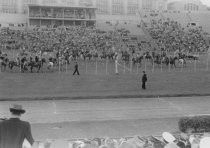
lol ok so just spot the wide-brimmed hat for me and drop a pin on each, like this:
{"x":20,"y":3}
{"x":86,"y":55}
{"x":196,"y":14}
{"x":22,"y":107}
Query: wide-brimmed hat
{"x":17,"y":108}
{"x":168,"y":137}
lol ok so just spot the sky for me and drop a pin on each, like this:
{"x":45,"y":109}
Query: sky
{"x":206,"y":2}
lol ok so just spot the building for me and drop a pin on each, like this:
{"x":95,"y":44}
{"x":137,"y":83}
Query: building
{"x":186,"y":5}
{"x":56,"y":16}
{"x":15,"y":12}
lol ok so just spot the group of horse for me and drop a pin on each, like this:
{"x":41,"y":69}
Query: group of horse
{"x":164,"y":59}
{"x":22,"y":63}
{"x":25,"y":62}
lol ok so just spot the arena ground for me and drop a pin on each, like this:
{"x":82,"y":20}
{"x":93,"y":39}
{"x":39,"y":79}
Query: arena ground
{"x":104,"y":104}
{"x":71,"y":119}
{"x":64,"y":85}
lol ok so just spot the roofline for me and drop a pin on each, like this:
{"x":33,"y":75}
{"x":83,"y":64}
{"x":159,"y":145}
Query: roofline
{"x":52,"y":6}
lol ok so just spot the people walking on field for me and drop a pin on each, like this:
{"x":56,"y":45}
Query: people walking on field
{"x":13,"y":131}
{"x":76,"y":69}
{"x":144,"y":80}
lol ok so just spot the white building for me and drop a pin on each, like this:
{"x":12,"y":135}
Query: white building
{"x":15,"y":12}
{"x":187,"y":5}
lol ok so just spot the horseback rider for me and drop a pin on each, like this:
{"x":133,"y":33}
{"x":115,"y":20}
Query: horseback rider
{"x":36,"y":59}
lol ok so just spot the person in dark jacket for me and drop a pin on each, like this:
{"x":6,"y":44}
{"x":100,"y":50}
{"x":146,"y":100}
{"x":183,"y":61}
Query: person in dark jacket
{"x":76,"y":69}
{"x":14,"y":131}
{"x":144,"y":80}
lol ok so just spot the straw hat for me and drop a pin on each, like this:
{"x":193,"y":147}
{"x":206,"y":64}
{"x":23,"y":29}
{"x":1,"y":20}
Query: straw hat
{"x":17,"y":108}
{"x":168,"y":137}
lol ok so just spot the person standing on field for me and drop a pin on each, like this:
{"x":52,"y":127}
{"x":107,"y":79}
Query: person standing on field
{"x":76,"y":69}
{"x":144,"y":80}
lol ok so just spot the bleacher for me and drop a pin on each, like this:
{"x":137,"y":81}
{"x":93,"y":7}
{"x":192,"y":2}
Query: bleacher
{"x":202,"y":18}
{"x":107,"y":23}
{"x":181,"y":17}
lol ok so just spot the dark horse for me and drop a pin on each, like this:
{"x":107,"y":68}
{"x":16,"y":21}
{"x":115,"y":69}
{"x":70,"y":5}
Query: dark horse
{"x":3,"y":62}
{"x":171,"y":61}
{"x":14,"y":64}
{"x":137,"y":60}
{"x":38,"y":65}
{"x":165,"y":60}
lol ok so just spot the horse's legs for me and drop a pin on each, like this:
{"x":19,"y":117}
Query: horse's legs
{"x":174,"y":64}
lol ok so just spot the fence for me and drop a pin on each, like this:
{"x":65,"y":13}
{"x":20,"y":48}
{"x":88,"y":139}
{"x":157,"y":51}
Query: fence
{"x":109,"y":67}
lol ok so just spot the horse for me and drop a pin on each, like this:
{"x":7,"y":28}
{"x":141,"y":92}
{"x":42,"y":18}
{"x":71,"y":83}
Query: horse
{"x":38,"y":65}
{"x":111,"y":55}
{"x":125,"y":56}
{"x":103,"y":56}
{"x":95,"y":55}
{"x":3,"y":62}
{"x":88,"y":55}
{"x":147,"y":56}
{"x":23,"y":64}
{"x":182,"y":61}
{"x":50,"y":65}
{"x":172,"y":61}
{"x":53,"y":60}
{"x":13,"y":64}
{"x":137,"y":60}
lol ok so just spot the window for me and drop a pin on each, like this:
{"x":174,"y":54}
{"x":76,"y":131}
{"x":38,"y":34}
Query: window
{"x":117,"y":9}
{"x":191,"y":7}
{"x":102,"y":6}
{"x":132,"y":9}
{"x":85,"y":2}
{"x":9,"y":6}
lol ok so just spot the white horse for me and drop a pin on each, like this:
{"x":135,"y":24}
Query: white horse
{"x":50,"y":66}
{"x":182,"y":62}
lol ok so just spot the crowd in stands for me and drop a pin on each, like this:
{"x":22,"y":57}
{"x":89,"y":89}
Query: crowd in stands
{"x":171,"y":36}
{"x":72,"y":38}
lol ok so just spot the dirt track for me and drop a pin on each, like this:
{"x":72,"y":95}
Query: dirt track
{"x":107,"y":117}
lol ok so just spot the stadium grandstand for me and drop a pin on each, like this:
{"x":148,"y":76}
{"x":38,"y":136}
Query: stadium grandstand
{"x":54,"y":16}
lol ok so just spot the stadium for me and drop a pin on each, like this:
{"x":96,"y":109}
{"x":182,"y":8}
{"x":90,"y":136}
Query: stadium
{"x":109,"y":44}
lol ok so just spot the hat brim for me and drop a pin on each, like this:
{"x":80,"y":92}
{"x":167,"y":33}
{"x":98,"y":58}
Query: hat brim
{"x":21,"y":111}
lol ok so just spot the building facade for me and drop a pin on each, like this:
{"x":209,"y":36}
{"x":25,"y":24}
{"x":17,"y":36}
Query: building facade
{"x":128,"y":7}
{"x":16,"y":11}
{"x":186,"y":5}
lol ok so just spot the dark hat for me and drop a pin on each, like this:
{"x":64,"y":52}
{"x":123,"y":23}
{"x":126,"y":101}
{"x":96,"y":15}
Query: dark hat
{"x":17,"y":108}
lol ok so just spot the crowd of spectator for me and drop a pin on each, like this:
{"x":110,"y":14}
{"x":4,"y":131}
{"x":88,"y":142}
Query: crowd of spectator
{"x":72,"y":39}
{"x":168,"y":35}
{"x":171,"y":36}
{"x":167,"y":140}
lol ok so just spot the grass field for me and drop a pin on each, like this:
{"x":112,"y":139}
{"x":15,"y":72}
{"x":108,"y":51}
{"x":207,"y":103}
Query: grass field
{"x":99,"y":80}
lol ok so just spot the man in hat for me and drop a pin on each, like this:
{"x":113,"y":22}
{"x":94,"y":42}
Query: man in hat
{"x":144,"y":80}
{"x":14,"y":131}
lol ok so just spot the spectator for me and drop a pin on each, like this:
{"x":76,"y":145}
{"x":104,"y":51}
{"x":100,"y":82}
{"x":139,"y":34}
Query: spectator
{"x":13,"y":131}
